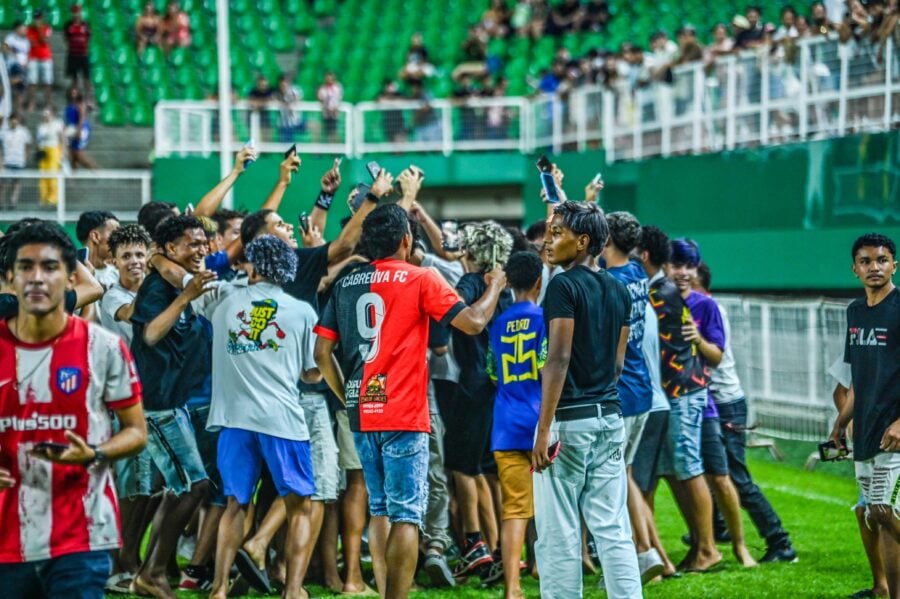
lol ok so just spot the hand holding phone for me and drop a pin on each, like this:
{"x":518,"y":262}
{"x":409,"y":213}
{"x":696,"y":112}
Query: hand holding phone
{"x":304,"y":222}
{"x":292,"y":151}
{"x":552,"y":451}
{"x":374,"y":169}
{"x":450,"y":235}
{"x":83,"y":254}
{"x":50,"y":447}
{"x":829,"y":451}
{"x":362,"y":190}
{"x":548,"y":182}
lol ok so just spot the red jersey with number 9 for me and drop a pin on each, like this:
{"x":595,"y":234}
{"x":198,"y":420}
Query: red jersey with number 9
{"x":379,"y":313}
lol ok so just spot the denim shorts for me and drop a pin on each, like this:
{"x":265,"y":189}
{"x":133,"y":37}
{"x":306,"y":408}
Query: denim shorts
{"x":242,"y":453}
{"x":715,"y":461}
{"x":683,"y":456}
{"x":173,"y":448}
{"x":323,"y":446}
{"x":135,"y":475}
{"x":74,"y":575}
{"x":395,"y":466}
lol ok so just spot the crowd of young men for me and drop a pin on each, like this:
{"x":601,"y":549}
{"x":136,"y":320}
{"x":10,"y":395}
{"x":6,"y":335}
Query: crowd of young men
{"x":418,"y":399}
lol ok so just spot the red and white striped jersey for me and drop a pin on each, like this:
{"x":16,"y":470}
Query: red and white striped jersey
{"x":69,"y":383}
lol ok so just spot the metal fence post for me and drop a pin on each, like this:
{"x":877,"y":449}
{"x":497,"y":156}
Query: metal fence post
{"x":145,"y":189}
{"x":731,"y":105}
{"x":608,"y":126}
{"x":764,"y":100}
{"x":843,"y":51}
{"x":557,"y":124}
{"x":699,"y":87}
{"x":803,"y":114}
{"x":61,"y":197}
{"x":888,"y":81}
{"x":446,"y":130}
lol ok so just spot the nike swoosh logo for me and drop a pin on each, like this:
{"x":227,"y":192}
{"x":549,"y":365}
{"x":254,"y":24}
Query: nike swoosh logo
{"x":4,"y":383}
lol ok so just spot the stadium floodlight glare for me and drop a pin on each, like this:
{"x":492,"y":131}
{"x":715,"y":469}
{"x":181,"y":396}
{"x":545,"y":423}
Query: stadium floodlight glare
{"x":223,"y":39}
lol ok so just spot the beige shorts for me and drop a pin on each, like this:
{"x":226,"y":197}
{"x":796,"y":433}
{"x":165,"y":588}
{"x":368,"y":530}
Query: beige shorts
{"x":348,"y":459}
{"x":634,"y":428}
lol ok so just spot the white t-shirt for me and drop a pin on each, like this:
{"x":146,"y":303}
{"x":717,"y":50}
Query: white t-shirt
{"x":49,"y":134}
{"x":20,"y":46}
{"x":840,"y":372}
{"x":15,"y":146}
{"x":107,"y":276}
{"x":114,"y":298}
{"x":724,"y":382}
{"x":650,"y":349}
{"x":262,"y":341}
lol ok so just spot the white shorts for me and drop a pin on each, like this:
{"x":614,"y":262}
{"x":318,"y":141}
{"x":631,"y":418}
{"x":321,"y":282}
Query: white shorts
{"x":879,"y":480}
{"x":40,"y":71}
{"x":634,"y":430}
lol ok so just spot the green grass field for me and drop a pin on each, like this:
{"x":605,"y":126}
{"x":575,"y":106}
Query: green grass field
{"x":815,"y":509}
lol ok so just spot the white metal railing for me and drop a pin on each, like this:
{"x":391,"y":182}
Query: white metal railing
{"x":783,"y":349}
{"x":61,"y":196}
{"x":817,"y":87}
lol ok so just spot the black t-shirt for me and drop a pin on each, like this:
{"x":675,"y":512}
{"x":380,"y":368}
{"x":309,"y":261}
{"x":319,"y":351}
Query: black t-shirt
{"x":173,"y":370}
{"x":682,"y":368}
{"x":9,"y":304}
{"x":312,"y":265}
{"x":470,"y":351}
{"x":872,"y":348}
{"x":600,"y":306}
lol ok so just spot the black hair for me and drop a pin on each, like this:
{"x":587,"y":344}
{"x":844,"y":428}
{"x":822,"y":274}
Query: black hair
{"x":520,"y":242}
{"x":624,"y":230}
{"x":585,"y":219}
{"x":128,"y":235}
{"x":523,"y":269}
{"x":254,"y":224}
{"x":874,"y":240}
{"x":172,"y":228}
{"x":150,"y":215}
{"x":656,"y":244}
{"x":536,"y":231}
{"x":684,"y":251}
{"x":224,"y":215}
{"x":90,"y":220}
{"x":704,"y":275}
{"x":788,"y":8}
{"x":6,"y":259}
{"x":43,"y":233}
{"x":383,"y":231}
{"x":755,"y":7}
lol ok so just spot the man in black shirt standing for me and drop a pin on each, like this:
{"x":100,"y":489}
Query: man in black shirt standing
{"x":587,"y":312}
{"x":171,"y":352}
{"x":872,"y":349}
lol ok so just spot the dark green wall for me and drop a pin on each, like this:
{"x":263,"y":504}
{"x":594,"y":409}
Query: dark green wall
{"x":771,"y":218}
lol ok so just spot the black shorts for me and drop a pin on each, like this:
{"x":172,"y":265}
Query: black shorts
{"x":653,"y":443}
{"x":467,"y":423}
{"x":712,"y":447}
{"x":77,"y":65}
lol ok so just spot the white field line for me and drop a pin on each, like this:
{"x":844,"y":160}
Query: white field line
{"x":849,"y":503}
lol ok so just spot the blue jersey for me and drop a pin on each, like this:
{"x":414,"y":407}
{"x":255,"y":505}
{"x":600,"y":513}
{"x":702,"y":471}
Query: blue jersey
{"x":634,"y":387}
{"x":516,"y":355}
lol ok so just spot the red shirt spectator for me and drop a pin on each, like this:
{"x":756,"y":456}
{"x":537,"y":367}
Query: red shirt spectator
{"x":39,"y":34}
{"x":78,"y":34}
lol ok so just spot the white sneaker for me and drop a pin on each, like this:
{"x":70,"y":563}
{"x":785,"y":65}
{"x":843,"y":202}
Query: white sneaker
{"x":650,"y":564}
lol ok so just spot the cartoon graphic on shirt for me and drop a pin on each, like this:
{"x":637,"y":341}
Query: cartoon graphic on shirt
{"x":253,"y":329}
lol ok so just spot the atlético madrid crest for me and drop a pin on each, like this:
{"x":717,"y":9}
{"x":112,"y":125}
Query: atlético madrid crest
{"x":68,"y":380}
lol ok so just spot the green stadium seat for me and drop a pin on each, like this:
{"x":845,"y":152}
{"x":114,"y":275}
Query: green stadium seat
{"x":112,"y":114}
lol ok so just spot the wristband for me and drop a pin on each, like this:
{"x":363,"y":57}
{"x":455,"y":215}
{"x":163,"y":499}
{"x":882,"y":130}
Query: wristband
{"x":324,"y":200}
{"x":372,"y":197}
{"x":99,"y":456}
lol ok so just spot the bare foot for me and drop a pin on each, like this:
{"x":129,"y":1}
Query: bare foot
{"x":152,"y":587}
{"x":703,"y":561}
{"x":335,"y":584}
{"x":256,"y":552}
{"x":514,"y":594}
{"x":743,"y":556}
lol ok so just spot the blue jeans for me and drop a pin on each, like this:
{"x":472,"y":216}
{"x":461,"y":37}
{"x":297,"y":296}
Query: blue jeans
{"x":73,"y":576}
{"x":588,"y":477}
{"x":683,"y":456}
{"x":733,"y":417}
{"x":395,"y":466}
{"x":172,"y":445}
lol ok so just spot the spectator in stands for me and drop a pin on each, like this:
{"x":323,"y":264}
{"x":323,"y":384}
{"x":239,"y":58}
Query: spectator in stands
{"x":330,"y":96}
{"x":565,"y":17}
{"x":819,"y":22}
{"x":78,"y":130}
{"x":495,"y":19}
{"x":93,"y":231}
{"x":788,"y":28}
{"x":470,"y":123}
{"x":147,"y":28}
{"x":722,"y":43}
{"x":417,"y":67}
{"x":40,"y":59}
{"x":259,"y":99}
{"x":751,"y":34}
{"x":50,"y":143}
{"x":596,"y":16}
{"x":392,"y":122}
{"x":16,"y":140}
{"x":497,"y":117}
{"x":474,"y":50}
{"x":16,"y":48}
{"x":290,"y":122}
{"x":78,"y":35}
{"x":520,"y":18}
{"x":426,"y":124}
{"x":176,"y":28}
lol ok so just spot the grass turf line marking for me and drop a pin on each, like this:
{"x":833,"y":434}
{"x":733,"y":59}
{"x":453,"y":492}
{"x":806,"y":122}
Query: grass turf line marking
{"x":807,"y":495}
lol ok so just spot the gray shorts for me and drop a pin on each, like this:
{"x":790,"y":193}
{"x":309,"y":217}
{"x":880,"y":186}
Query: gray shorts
{"x":348,"y":458}
{"x":322,"y":445}
{"x":634,"y":430}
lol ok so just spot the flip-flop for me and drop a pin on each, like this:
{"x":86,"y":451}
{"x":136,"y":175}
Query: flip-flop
{"x":257,"y":578}
{"x":119,"y":584}
{"x":716,"y":567}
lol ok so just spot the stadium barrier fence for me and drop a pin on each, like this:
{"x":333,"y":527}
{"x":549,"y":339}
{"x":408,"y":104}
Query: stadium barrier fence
{"x":816,"y":87}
